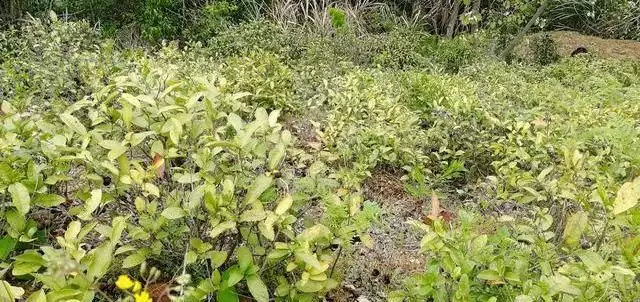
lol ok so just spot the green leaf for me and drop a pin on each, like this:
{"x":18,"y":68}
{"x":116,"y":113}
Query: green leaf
{"x":628,"y":197}
{"x":355,"y":203}
{"x":273,"y":118}
{"x":266,"y":227}
{"x":53,"y":179}
{"x":245,"y":258}
{"x":222,"y":227}
{"x":72,"y":231}
{"x":85,"y":230}
{"x":23,"y":268}
{"x":235,"y":121}
{"x":217,"y":258}
{"x":253,"y":215}
{"x":131,"y":100}
{"x":560,"y":283}
{"x":91,"y":204}
{"x":227,"y":295}
{"x":173,"y":213}
{"x":38,"y":296}
{"x":152,"y":189}
{"x":66,"y":294}
{"x":592,"y":261}
{"x":115,"y":148}
{"x":396,"y":296}
{"x":257,"y":288}
{"x":7,"y":245}
{"x":574,"y":228}
{"x":100,"y":262}
{"x":544,"y":173}
{"x":309,"y":286}
{"x":277,"y":254}
{"x":311,"y":259}
{"x":235,"y":276}
{"x":489,"y":275}
{"x":315,"y":233}
{"x":15,"y":220}
{"x":20,"y":198}
{"x":73,"y":123}
{"x":523,"y":298}
{"x":186,"y":178}
{"x":117,"y":227}
{"x":284,"y":205}
{"x":174,"y":128}
{"x":259,"y":185}
{"x":10,"y":293}
{"x":134,"y":259}
{"x":48,"y":200}
{"x":138,"y":138}
{"x":190,"y":257}
{"x":479,"y":243}
{"x":367,"y":240}
{"x":276,"y":155}
{"x":262,"y":117}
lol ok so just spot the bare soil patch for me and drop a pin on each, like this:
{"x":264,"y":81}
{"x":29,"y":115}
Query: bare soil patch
{"x":396,"y":251}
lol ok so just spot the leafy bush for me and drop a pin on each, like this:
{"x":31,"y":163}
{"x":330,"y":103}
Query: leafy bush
{"x":155,"y":168}
{"x":264,"y":76}
{"x":211,"y":19}
{"x":518,"y":262}
{"x":115,"y":161}
{"x":338,"y":18}
{"x":254,"y":36}
{"x":545,"y":50}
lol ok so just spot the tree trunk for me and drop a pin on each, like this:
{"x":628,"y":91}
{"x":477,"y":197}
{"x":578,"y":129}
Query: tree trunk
{"x":453,"y":19}
{"x":476,"y":12}
{"x":507,"y":51}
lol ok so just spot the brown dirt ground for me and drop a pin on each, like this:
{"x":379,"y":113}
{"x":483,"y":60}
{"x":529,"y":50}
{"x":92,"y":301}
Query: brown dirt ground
{"x":374,"y":271}
{"x":568,"y":41}
{"x":606,"y":48}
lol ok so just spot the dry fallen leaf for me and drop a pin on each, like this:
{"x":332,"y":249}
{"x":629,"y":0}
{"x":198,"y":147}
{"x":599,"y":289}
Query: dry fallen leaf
{"x":314,"y":145}
{"x":159,"y":292}
{"x":158,"y":165}
{"x":539,"y":123}
{"x":437,"y":211}
{"x":435,"y":207}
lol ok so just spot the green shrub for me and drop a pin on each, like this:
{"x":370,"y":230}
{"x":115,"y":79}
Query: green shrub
{"x":520,"y":262}
{"x":159,"y":21}
{"x":254,"y":36}
{"x":171,"y":168}
{"x":545,"y":50}
{"x":264,"y":76}
{"x":455,"y":53}
{"x":210,"y":20}
{"x":177,"y":158}
{"x":338,"y":18}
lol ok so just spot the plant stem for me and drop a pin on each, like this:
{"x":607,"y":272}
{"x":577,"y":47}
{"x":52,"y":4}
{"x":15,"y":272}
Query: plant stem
{"x":604,"y":231}
{"x":335,"y":261}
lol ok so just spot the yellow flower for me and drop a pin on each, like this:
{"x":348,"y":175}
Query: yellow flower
{"x":124,"y":282}
{"x":143,"y":297}
{"x":137,"y":286}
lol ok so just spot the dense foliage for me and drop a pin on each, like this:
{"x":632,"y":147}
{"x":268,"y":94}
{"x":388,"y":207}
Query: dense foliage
{"x":132,"y":22}
{"x":138,"y":174}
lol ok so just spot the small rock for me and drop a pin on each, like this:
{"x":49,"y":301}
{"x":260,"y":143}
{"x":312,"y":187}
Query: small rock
{"x":352,"y":289}
{"x":362,"y":299}
{"x":381,"y":294}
